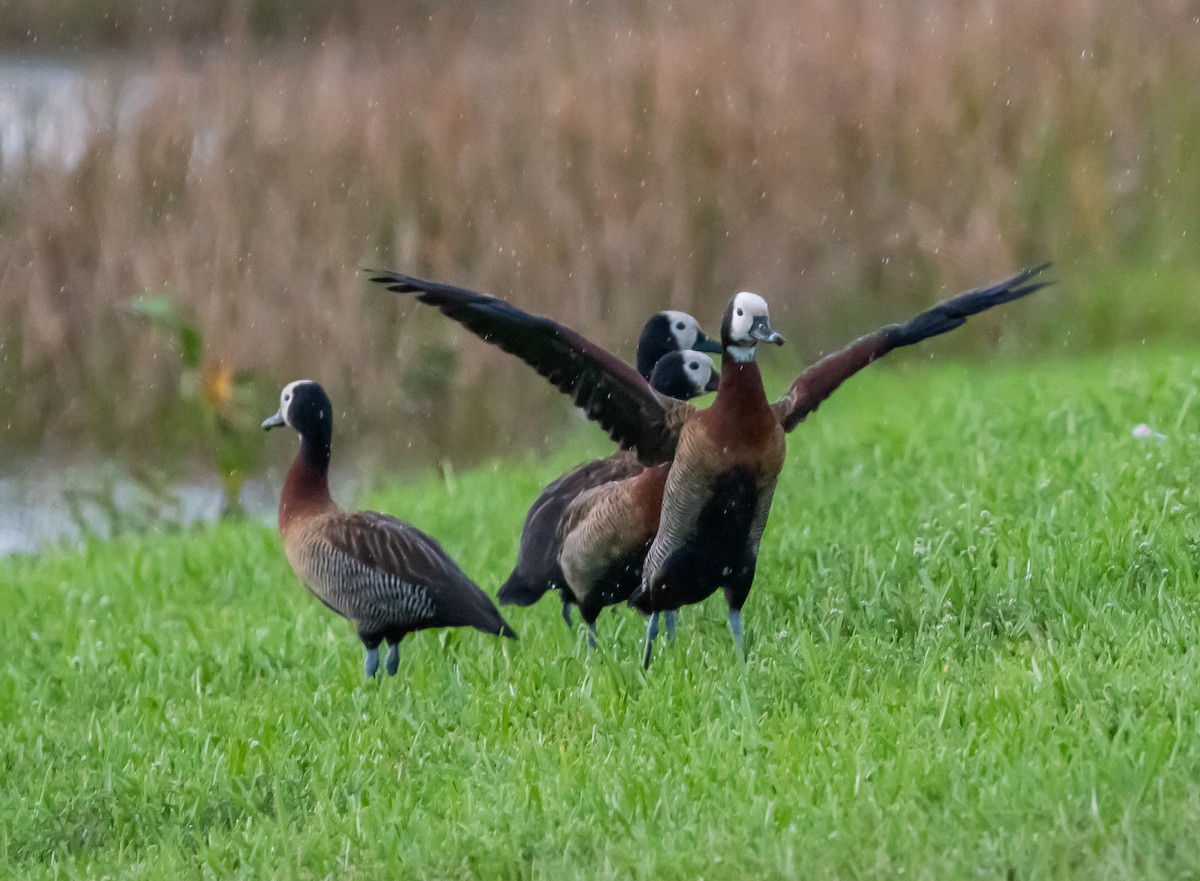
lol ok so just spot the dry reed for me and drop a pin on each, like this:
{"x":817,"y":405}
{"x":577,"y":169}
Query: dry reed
{"x":850,"y":160}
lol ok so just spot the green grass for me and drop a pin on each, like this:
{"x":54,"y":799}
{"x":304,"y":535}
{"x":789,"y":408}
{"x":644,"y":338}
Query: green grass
{"x":973,"y":653}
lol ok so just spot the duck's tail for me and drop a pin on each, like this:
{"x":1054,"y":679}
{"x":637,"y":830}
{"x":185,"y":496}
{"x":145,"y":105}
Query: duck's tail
{"x":520,"y":590}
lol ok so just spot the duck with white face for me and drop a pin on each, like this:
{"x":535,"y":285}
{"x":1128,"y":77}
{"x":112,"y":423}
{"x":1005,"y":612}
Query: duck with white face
{"x":670,"y":331}
{"x":594,"y":536}
{"x":724,"y":461}
{"x":385,"y":575}
{"x":720,"y":485}
{"x":685,"y":375}
{"x":682,"y":375}
{"x":747,"y":323}
{"x":604,"y":531}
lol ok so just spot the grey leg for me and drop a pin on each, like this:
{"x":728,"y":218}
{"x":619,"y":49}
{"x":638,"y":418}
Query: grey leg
{"x":735,"y":627}
{"x":592,"y":635}
{"x":669,"y":620}
{"x":393,"y":658}
{"x":651,"y":634}
{"x":371,"y":663}
{"x":567,"y":614}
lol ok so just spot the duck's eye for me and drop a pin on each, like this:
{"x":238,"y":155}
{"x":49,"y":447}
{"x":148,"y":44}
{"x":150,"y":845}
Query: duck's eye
{"x":740,"y":313}
{"x":681,"y":326}
{"x":695,"y":365}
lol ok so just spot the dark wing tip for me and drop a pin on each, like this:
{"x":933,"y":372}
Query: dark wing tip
{"x":1005,"y":291}
{"x":954,"y":312}
{"x":395,"y":281}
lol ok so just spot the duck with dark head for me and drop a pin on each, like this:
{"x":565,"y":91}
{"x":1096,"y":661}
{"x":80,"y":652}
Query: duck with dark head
{"x":386,"y":576}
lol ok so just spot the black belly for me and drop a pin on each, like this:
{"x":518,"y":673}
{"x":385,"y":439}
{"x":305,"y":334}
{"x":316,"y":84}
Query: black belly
{"x":718,"y":552}
{"x":616,"y":585}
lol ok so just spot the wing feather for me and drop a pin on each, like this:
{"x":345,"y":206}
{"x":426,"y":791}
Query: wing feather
{"x":409,"y":566}
{"x":608,"y":390}
{"x":820,"y":380}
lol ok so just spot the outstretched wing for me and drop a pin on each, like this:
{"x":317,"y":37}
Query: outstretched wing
{"x":820,"y":380}
{"x":607,"y":389}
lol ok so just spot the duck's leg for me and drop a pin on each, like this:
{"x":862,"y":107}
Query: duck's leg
{"x":669,"y":620}
{"x":735,"y":595}
{"x":393,"y":657}
{"x":370,"y":640}
{"x":651,"y":635}
{"x":371,"y":662}
{"x":589,"y":611}
{"x":566,"y":613}
{"x":735,"y":627}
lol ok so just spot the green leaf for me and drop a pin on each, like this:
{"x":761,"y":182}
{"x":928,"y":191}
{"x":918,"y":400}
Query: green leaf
{"x":191,"y":345}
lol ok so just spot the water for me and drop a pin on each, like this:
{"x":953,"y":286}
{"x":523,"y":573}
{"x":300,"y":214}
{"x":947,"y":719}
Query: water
{"x":41,"y":506}
{"x":44,"y":117}
{"x":41,"y":112}
{"x":44,"y":108}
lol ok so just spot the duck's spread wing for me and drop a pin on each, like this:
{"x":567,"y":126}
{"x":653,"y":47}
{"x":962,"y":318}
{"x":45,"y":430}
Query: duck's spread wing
{"x":820,"y":380}
{"x":607,"y":389}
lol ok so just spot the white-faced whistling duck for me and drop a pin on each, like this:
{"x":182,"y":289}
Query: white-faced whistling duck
{"x":670,"y":331}
{"x":659,"y":361}
{"x":386,"y":576}
{"x":722,"y":477}
{"x":604,"y":531}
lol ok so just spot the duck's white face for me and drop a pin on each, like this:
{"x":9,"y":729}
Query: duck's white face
{"x":699,"y":370}
{"x":684,"y":328}
{"x":746,"y":307}
{"x":745,"y":325}
{"x":283,"y":416}
{"x":287,"y":396}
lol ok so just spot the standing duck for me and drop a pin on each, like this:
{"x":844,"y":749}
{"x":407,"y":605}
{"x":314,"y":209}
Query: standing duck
{"x":603,"y":531}
{"x":682,"y":375}
{"x":722,"y":478}
{"x":603,"y":539}
{"x":386,"y":576}
{"x":719,"y":487}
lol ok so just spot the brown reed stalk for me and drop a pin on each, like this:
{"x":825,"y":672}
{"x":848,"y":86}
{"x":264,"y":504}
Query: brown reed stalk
{"x":850,"y":160}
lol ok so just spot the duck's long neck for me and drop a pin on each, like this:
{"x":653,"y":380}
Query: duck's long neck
{"x":306,"y":487}
{"x":741,"y":386}
{"x":648,"y":354}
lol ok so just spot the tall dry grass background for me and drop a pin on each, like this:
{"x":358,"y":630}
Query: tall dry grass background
{"x":851,"y":160}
